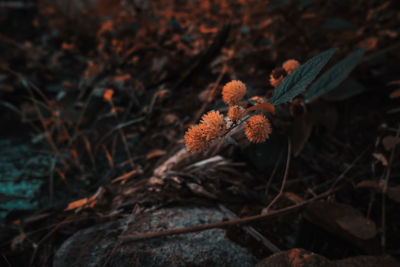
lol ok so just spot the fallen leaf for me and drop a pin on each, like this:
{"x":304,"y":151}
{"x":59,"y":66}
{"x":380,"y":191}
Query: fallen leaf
{"x":380,"y":157}
{"x":395,"y":93}
{"x":107,"y":96}
{"x":77,"y":204}
{"x":341,"y":219}
{"x":17,"y":241}
{"x":126,"y":176}
{"x":389,"y":142}
{"x":369,"y":184}
{"x":161,"y":94}
{"x":394,"y":193}
{"x":294,"y":198}
{"x":370,"y":43}
{"x":394,"y":82}
{"x":358,"y":226}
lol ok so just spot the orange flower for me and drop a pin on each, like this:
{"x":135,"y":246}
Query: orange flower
{"x":195,"y":140}
{"x":108,"y":94}
{"x":257,"y":129}
{"x":277,"y":76}
{"x":290,"y":65}
{"x":233,"y":92}
{"x":212,"y":124}
{"x":235,"y":113}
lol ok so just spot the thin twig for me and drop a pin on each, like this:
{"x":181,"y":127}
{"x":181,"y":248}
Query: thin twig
{"x":384,"y":191}
{"x":284,"y":177}
{"x":271,"y":177}
{"x":238,"y":221}
{"x":341,"y":176}
{"x":6,"y":260}
{"x":122,"y":134}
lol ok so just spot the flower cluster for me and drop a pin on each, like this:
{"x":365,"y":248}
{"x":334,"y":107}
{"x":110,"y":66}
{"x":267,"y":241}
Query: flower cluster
{"x":279,"y":74}
{"x":214,"y":125}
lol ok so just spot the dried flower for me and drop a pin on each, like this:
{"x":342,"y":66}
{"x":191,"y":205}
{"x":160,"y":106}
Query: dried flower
{"x":257,"y":129}
{"x":290,"y":65}
{"x":233,"y":92}
{"x":235,"y":113}
{"x":212,"y":124}
{"x":277,"y":76}
{"x":195,"y":139}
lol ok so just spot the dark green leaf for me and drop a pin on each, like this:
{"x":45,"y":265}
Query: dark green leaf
{"x":347,"y":89}
{"x":335,"y":75}
{"x":297,"y":82}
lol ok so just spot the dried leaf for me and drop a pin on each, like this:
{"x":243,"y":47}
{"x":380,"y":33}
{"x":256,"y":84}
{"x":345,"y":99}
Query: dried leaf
{"x":161,"y":94}
{"x":294,"y":198}
{"x":369,"y":184}
{"x":395,"y":93}
{"x":18,"y":240}
{"x":389,"y":142}
{"x":358,"y":226}
{"x":370,"y":43}
{"x":126,"y":176}
{"x":341,"y":219}
{"x":381,"y":158}
{"x":267,"y":107}
{"x":107,"y":96}
{"x":77,"y":204}
{"x":394,"y":193}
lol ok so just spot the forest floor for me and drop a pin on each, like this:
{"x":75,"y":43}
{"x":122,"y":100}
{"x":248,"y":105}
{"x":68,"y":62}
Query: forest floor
{"x":96,"y":98}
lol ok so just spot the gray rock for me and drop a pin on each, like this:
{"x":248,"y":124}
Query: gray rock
{"x":21,"y":174}
{"x":99,"y":245}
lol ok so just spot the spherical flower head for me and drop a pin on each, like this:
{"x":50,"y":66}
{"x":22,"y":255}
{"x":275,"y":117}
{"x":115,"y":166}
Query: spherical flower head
{"x":257,"y":129}
{"x":235,"y":113}
{"x":290,"y":65}
{"x":195,"y":140}
{"x":233,"y":92}
{"x":277,"y":76}
{"x":212,"y":125}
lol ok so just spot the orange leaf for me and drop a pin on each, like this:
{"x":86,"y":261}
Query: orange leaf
{"x":77,"y":204}
{"x":389,"y":142}
{"x":122,"y":78}
{"x":126,"y":176}
{"x":108,"y":155}
{"x":67,"y":46}
{"x":380,"y":157}
{"x":263,"y":107}
{"x":162,"y":93}
{"x":395,"y":93}
{"x":108,"y":94}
